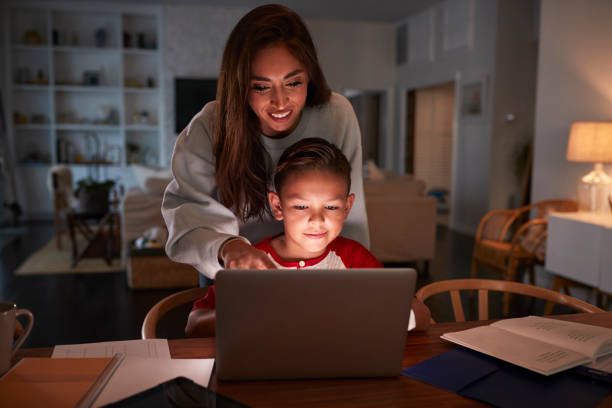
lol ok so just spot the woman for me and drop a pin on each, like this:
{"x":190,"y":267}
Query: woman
{"x":271,"y":93}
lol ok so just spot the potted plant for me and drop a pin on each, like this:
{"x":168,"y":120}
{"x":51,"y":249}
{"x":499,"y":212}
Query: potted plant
{"x":92,"y":195}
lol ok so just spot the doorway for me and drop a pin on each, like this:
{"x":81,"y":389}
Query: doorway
{"x":369,"y":107}
{"x":429,"y":141}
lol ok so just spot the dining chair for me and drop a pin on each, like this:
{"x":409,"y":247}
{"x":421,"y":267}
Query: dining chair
{"x":149,"y":325}
{"x":506,"y":239}
{"x":483,"y":286}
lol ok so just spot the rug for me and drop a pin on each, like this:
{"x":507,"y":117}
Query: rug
{"x":9,"y":234}
{"x":50,"y":260}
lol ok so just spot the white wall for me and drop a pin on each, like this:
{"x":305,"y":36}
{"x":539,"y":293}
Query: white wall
{"x":470,"y":186}
{"x":194,"y":37}
{"x":359,"y":55}
{"x":574,"y":84}
{"x":516,"y":57}
{"x":353,"y":55}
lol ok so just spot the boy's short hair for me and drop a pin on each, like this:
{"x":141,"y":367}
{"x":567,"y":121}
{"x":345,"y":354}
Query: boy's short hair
{"x":312,"y":153}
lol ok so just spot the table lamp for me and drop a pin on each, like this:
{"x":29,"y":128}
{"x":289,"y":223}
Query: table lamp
{"x":592,"y":142}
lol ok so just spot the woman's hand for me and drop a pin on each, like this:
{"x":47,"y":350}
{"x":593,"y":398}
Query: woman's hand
{"x":237,"y":254}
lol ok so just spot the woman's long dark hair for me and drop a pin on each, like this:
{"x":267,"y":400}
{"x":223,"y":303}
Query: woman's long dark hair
{"x":242,"y":163}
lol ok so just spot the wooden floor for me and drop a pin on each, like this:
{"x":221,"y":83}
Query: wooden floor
{"x":78,"y":308}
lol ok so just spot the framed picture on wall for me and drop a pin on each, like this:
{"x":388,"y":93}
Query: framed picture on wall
{"x":472,"y":99}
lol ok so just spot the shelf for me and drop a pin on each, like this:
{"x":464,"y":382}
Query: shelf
{"x":141,"y":128}
{"x":24,"y":47}
{"x":88,"y":127}
{"x":140,"y":90}
{"x":30,"y":88}
{"x":140,"y":51}
{"x":34,"y":164}
{"x":90,"y":164}
{"x":85,"y":50}
{"x":87,"y":88}
{"x":32,"y":126}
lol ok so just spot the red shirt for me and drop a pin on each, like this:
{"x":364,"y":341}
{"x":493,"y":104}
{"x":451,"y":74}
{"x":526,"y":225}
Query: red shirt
{"x":341,"y":253}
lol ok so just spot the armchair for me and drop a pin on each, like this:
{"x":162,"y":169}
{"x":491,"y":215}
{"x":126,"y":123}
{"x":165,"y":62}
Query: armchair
{"x":507,"y":238}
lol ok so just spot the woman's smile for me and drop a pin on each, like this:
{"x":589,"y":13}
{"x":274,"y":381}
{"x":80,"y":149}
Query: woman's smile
{"x":282,"y":115}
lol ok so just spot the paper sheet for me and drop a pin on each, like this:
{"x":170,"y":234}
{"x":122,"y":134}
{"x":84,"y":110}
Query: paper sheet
{"x":147,"y":363}
{"x":150,"y":348}
{"x":136,"y":374}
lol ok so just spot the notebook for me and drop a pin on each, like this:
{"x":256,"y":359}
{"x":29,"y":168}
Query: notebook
{"x":283,"y":324}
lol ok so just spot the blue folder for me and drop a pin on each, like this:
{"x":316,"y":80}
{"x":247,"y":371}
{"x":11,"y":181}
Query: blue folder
{"x":488,"y":379}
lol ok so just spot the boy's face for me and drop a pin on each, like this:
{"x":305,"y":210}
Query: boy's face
{"x":313,"y":206}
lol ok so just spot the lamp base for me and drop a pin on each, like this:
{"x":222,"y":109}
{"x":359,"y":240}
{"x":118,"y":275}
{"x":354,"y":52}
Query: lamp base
{"x":594,"y":191}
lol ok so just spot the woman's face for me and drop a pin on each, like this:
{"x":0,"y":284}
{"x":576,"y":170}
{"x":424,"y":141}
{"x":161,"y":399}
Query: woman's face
{"x":277,"y":91}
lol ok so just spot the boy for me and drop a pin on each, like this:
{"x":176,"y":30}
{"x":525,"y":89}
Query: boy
{"x":312,"y":182}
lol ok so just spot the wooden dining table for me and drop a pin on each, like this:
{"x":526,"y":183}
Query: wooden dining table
{"x":397,"y":391}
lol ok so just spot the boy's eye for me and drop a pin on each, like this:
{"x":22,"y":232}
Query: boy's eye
{"x":294,"y":84}
{"x":332,"y":207}
{"x":300,"y":207}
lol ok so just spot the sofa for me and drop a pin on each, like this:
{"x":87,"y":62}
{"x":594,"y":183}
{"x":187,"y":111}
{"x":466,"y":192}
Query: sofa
{"x":147,"y":265}
{"x":401,"y":218}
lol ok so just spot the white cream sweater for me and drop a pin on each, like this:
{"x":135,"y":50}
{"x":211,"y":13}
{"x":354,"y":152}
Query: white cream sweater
{"x":198,"y":224}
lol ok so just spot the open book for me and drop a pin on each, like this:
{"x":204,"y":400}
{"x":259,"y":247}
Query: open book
{"x":546,"y":346}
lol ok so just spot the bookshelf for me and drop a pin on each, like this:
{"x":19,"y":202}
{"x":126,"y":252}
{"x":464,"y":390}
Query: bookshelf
{"x":84,"y":89}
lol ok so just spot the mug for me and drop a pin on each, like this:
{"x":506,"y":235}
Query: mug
{"x":8,"y":315}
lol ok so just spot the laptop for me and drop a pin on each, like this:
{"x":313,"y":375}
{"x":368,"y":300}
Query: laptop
{"x":312,"y":323}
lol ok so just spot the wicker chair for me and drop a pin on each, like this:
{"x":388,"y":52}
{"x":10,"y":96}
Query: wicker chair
{"x":507,"y":238}
{"x":168,"y":303}
{"x":483,"y":286}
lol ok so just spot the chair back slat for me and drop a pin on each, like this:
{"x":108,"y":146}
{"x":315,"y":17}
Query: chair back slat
{"x":483,"y":286}
{"x":506,"y":230}
{"x":483,"y":304}
{"x":457,"y":307}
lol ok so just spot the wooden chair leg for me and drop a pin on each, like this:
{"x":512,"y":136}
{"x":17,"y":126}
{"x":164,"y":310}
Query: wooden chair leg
{"x":474,"y":270}
{"x":510,"y":276}
{"x":473,"y":275}
{"x":58,"y":231}
{"x":603,"y":300}
{"x":557,"y":285}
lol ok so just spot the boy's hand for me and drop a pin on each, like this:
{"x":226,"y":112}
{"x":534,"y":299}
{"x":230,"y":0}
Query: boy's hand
{"x":237,"y":254}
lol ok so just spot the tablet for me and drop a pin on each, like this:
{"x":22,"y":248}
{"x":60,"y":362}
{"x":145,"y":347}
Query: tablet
{"x":179,"y":392}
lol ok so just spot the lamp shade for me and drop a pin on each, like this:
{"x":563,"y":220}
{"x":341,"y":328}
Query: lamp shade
{"x":590,"y":142}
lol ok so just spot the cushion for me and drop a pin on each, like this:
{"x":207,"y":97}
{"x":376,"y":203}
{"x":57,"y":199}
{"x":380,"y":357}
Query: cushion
{"x":152,"y":179}
{"x":404,"y":185}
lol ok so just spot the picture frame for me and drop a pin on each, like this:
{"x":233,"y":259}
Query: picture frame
{"x":472,"y":102}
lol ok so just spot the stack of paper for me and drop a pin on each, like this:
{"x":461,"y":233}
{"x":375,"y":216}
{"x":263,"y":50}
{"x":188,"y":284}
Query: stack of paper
{"x":147,"y":363}
{"x":78,"y":373}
